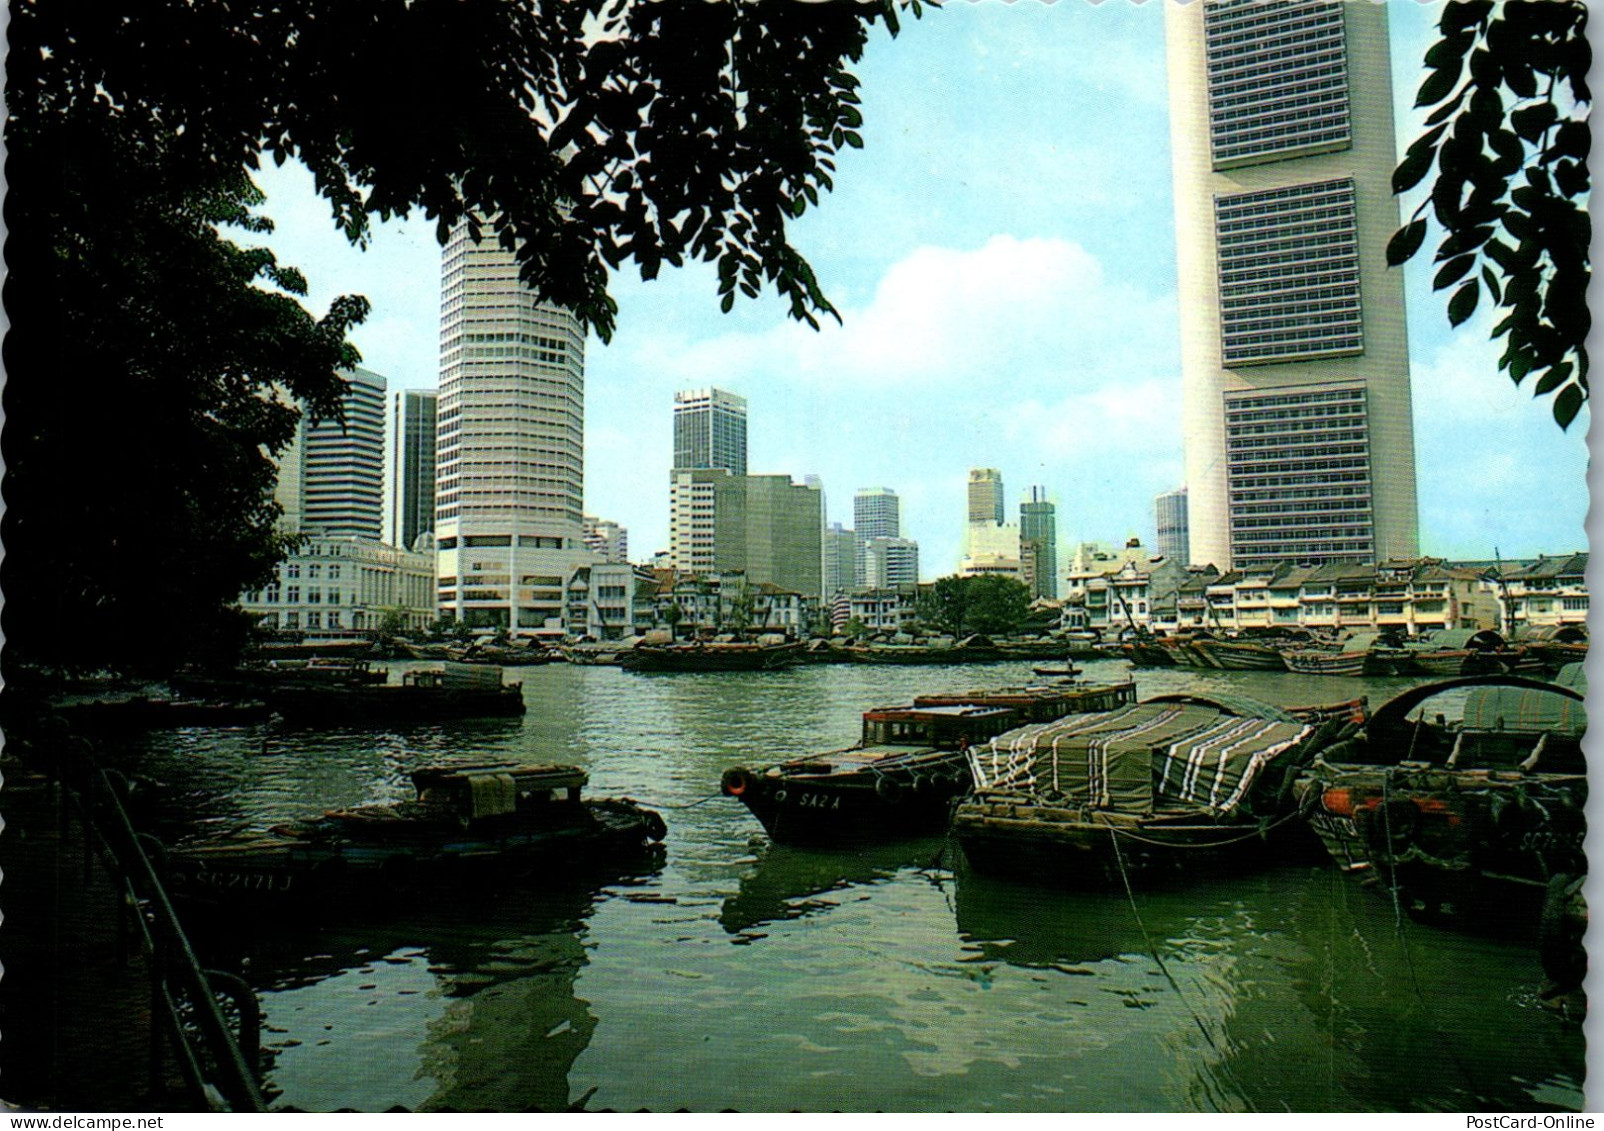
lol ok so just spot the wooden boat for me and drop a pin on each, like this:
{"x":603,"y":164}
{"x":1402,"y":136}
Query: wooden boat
{"x":710,"y":657}
{"x":1056,"y":671}
{"x":490,"y":824}
{"x":1030,"y":649}
{"x":1241,"y":655}
{"x":1471,"y":818}
{"x":1313,"y":661}
{"x":454,"y":691}
{"x":594,"y":655}
{"x":909,"y":765}
{"x":142,"y":713}
{"x":970,"y":650}
{"x":1150,"y":791}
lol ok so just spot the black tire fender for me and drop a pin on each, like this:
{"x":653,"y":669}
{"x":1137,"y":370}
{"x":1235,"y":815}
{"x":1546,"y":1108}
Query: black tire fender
{"x":888,"y":790}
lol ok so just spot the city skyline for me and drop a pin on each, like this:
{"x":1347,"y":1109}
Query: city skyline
{"x":952,"y":354}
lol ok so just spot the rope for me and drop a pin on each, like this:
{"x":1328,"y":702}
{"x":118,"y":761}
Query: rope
{"x":1249,"y":835}
{"x":687,"y":805}
{"x":1130,"y":895}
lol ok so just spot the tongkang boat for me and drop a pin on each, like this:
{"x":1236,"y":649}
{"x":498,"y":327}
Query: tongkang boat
{"x":1476,"y":817}
{"x":902,"y":777}
{"x":1161,"y":788}
{"x":469,"y":826}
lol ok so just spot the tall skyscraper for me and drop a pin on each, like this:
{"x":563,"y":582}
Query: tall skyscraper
{"x":409,"y":466}
{"x":710,"y":430}
{"x":986,"y":495}
{"x":1038,"y":543}
{"x":839,"y":554}
{"x":875,"y":514}
{"x":331,"y":477}
{"x":1170,"y":511}
{"x":1295,"y":364}
{"x":511,"y":435}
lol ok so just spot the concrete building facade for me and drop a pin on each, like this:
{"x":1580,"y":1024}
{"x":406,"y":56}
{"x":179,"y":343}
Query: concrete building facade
{"x":1295,"y":363}
{"x":341,"y":585}
{"x":409,"y":466}
{"x":710,"y":430}
{"x":511,"y":446}
{"x":1038,"y":544}
{"x":839,"y":554}
{"x":331,"y":476}
{"x":1169,"y":510}
{"x":876,"y":513}
{"x":890,"y":562}
{"x":986,"y":495}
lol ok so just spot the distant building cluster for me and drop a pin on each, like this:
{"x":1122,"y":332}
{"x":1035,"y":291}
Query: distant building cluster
{"x":466,"y":504}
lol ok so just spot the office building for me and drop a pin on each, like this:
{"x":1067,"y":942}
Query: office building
{"x":986,"y":495}
{"x":510,"y":435}
{"x":875,"y":514}
{"x":994,"y":547}
{"x":606,"y":539}
{"x":839,"y":554}
{"x":331,"y":476}
{"x":890,"y":562}
{"x":1038,"y":543}
{"x":409,"y":466}
{"x":1295,"y":364}
{"x":710,"y":430}
{"x":764,"y":526}
{"x":1170,"y":511}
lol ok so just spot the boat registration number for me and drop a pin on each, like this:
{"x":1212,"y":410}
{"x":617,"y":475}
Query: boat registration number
{"x":241,"y":881}
{"x":807,"y":800}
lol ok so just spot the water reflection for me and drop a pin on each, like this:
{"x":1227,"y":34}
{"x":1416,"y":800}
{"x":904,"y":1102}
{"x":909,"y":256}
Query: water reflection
{"x":443,"y":1006}
{"x":785,"y":882}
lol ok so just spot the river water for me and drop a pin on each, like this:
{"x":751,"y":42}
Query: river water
{"x":742,"y":975}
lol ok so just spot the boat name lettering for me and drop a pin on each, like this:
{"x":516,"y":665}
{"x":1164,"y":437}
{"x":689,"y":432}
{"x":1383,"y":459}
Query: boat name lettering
{"x":817,"y":801}
{"x":244,"y":881}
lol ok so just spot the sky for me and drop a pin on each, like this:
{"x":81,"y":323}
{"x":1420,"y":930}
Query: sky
{"x":1002,"y":253}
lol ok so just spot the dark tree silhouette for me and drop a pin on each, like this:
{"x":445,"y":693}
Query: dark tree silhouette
{"x":1509,"y":141}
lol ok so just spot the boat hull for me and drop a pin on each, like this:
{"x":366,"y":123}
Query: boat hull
{"x":393,"y":704}
{"x":714,"y":658}
{"x":847,"y":808}
{"x":1080,"y":848}
{"x":1325,"y":663}
{"x":1241,"y":657}
{"x":330,"y":872}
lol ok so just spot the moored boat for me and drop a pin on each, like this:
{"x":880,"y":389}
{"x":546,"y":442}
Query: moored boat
{"x":1470,"y":818}
{"x":710,"y":657}
{"x":453,"y":691}
{"x":906,"y":770}
{"x":1241,"y":655}
{"x":491,"y":824}
{"x":1150,"y":791}
{"x":969,"y":650}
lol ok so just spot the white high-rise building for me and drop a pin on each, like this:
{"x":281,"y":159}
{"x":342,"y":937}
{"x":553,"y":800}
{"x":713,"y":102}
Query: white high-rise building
{"x":710,"y":430}
{"x":1170,"y":511}
{"x":606,"y":539}
{"x":331,"y":476}
{"x":1295,"y":364}
{"x":409,"y":466}
{"x":876,"y":513}
{"x":511,"y":440}
{"x":890,"y":562}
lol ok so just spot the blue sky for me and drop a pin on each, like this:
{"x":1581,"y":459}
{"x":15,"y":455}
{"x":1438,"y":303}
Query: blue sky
{"x":1002,"y":253}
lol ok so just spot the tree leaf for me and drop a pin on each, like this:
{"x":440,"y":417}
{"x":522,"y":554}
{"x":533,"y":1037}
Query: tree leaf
{"x":1491,"y":281}
{"x":1452,"y":271}
{"x":1405,"y":242}
{"x":1566,"y":405}
{"x":1463,"y":303}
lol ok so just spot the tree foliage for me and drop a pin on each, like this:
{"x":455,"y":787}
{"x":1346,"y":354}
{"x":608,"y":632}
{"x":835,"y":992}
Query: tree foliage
{"x":987,"y":603}
{"x":589,"y":133}
{"x":1509,"y":140}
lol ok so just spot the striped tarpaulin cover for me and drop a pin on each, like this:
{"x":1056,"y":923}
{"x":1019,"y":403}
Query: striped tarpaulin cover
{"x":1215,"y":769}
{"x":1104,"y":760}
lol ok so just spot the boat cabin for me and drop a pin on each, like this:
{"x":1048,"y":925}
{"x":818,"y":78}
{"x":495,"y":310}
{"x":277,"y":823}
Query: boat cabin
{"x":953,"y":727}
{"x":497,"y":789}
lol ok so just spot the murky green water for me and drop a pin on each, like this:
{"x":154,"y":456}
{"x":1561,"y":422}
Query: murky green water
{"x":746,"y":975}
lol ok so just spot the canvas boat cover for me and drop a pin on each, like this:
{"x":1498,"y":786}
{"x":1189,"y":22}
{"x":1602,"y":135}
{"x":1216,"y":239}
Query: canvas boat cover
{"x":1185,"y":752}
{"x":1524,"y":710}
